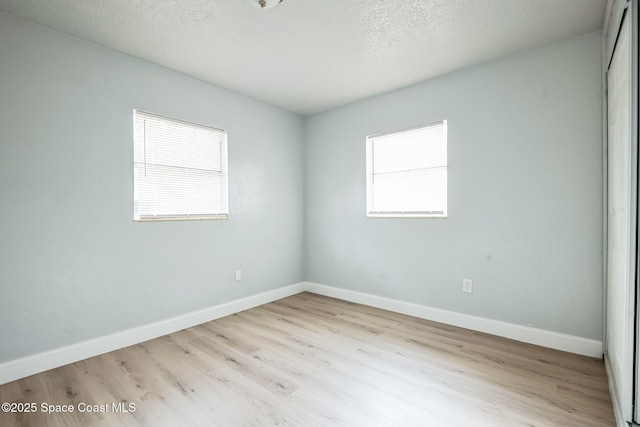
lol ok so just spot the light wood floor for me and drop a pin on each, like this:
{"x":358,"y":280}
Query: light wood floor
{"x":309,"y":360}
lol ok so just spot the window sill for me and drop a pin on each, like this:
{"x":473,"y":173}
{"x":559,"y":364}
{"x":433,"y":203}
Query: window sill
{"x":195,"y":218}
{"x":407,"y":215}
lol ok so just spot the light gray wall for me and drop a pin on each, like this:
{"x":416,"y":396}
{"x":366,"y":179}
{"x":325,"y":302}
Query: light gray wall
{"x":525,"y":187}
{"x":73,"y":264}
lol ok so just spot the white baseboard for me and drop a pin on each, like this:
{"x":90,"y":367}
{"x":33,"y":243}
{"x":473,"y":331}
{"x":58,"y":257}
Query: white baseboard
{"x":541,"y":337}
{"x":23,"y":367}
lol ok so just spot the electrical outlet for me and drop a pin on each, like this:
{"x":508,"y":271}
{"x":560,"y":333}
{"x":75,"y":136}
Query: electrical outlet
{"x":467,"y":285}
{"x":238,"y":275}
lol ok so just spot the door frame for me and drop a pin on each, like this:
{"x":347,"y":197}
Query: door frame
{"x":617,"y":11}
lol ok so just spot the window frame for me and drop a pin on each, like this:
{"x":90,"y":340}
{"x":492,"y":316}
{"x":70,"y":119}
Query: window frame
{"x":370,"y":139}
{"x":224,"y":172}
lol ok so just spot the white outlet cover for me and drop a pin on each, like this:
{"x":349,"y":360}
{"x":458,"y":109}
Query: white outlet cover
{"x":467,"y":285}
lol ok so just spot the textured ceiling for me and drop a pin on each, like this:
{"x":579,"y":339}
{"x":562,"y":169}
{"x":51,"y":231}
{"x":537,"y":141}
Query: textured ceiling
{"x":308,"y":56}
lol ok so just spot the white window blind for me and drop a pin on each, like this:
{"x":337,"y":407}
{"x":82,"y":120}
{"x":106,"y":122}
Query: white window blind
{"x":180,"y":169}
{"x":407,"y":172}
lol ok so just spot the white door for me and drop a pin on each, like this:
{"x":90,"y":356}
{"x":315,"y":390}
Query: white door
{"x":621,"y":224}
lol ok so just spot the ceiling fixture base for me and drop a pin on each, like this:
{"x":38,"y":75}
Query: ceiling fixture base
{"x":266,"y":4}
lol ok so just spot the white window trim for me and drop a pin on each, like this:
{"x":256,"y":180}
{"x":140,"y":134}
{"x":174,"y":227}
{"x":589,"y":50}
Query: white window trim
{"x":224,"y":173}
{"x":369,"y":178}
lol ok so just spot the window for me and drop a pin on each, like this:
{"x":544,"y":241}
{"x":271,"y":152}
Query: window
{"x":407,"y":172}
{"x":180,"y":170}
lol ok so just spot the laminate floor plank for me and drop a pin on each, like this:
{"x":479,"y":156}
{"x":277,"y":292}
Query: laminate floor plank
{"x":310,"y":360}
{"x":245,"y":394}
